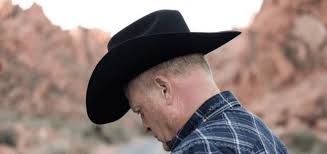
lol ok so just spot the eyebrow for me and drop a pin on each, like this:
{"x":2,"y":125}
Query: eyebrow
{"x":135,"y":108}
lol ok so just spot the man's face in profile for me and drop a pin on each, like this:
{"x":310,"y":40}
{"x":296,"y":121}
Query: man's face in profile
{"x":152,"y":108}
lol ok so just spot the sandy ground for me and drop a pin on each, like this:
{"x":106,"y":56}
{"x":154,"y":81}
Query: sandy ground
{"x":144,"y":145}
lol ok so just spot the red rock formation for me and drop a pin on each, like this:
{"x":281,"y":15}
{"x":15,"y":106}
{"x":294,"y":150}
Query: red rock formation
{"x":46,"y":68}
{"x":278,"y":66}
{"x":7,"y":150}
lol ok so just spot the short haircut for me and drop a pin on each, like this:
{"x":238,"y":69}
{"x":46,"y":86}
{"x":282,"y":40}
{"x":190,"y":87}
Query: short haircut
{"x":183,"y":64}
{"x":175,"y":67}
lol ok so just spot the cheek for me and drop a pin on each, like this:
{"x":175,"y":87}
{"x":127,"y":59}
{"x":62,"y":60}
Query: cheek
{"x":155,"y":111}
{"x":153,"y":115}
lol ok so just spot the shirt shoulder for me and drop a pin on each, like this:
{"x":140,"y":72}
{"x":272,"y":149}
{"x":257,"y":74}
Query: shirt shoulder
{"x":233,"y":131}
{"x":199,"y":143}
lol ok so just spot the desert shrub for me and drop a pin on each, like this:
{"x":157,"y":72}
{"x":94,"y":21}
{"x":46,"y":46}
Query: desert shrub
{"x":8,"y":137}
{"x":306,"y":142}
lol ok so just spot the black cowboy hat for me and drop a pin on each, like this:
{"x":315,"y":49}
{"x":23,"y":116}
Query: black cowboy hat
{"x":151,"y":40}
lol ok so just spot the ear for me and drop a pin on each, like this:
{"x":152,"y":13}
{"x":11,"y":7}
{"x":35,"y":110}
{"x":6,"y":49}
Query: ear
{"x":165,"y":87}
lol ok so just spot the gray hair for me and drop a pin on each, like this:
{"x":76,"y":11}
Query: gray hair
{"x":183,"y":64}
{"x":178,"y":66}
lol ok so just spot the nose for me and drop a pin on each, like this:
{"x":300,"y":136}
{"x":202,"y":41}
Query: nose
{"x":147,"y":129}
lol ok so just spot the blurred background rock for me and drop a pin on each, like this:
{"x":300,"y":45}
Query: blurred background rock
{"x":277,"y":67}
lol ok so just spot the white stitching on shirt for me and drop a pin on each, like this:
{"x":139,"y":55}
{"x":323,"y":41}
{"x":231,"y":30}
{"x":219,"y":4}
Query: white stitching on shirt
{"x":225,"y":99}
{"x":205,"y":139}
{"x":255,"y":125}
{"x":234,"y":133}
{"x":198,"y":114}
{"x":222,"y":109}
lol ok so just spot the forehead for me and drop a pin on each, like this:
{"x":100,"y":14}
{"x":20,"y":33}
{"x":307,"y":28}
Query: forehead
{"x":133,"y":94}
{"x":131,"y":88}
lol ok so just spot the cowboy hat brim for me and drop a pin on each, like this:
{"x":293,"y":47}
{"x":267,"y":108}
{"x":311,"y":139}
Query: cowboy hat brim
{"x":105,"y":98}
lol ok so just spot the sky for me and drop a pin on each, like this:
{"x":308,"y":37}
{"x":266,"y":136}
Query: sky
{"x":113,"y":15}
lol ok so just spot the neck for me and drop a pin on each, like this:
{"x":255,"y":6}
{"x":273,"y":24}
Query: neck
{"x":193,"y":90}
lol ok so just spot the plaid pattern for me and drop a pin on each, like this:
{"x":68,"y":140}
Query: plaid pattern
{"x":222,"y":126}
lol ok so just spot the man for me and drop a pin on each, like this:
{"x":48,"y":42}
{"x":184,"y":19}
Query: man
{"x":156,"y":67}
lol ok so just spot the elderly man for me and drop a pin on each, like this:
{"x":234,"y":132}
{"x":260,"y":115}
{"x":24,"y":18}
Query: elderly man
{"x":156,"y":67}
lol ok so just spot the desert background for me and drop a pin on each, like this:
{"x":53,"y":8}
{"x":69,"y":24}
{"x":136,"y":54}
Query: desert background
{"x":277,"y":67}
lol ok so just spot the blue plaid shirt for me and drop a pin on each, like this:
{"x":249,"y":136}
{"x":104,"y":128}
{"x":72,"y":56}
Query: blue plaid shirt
{"x":222,"y":126}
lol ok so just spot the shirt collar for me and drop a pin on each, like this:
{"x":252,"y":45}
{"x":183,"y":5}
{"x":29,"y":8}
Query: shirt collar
{"x":212,"y":106}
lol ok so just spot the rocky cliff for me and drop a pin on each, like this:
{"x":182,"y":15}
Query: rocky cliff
{"x":278,"y":66}
{"x":43,"y":76}
{"x":45,"y":69}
